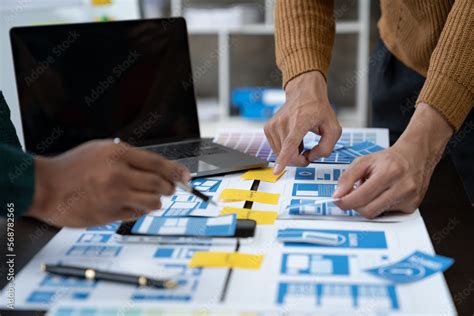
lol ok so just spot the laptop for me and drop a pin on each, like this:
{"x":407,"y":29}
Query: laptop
{"x":126,"y":79}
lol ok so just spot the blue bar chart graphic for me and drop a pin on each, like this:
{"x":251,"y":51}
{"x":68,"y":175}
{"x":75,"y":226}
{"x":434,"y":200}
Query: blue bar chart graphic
{"x":344,"y":296}
{"x":182,"y":253}
{"x":319,"y":173}
{"x":94,"y":251}
{"x":46,"y":297}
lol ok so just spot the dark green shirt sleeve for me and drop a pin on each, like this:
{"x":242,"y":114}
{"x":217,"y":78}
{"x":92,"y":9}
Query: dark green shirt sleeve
{"x":17,"y":173}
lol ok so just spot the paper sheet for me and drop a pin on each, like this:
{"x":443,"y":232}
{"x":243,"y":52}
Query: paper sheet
{"x":253,"y":142}
{"x":312,"y":183}
{"x":185,"y":204}
{"x":111,"y":308}
{"x":99,"y":247}
{"x":321,"y":279}
{"x":297,"y":278}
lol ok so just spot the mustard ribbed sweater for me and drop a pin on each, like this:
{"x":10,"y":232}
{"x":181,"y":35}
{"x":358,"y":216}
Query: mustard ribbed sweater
{"x":432,"y":37}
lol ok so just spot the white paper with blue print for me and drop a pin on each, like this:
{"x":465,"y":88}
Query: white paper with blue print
{"x":99,"y":247}
{"x":182,"y":203}
{"x":313,"y":186}
{"x":353,"y":142}
{"x":331,"y":278}
{"x":301,"y":277}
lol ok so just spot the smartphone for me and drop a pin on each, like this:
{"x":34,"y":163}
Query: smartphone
{"x":245,"y":231}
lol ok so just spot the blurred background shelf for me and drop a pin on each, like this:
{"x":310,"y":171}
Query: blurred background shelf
{"x":232,"y":46}
{"x":231,"y":42}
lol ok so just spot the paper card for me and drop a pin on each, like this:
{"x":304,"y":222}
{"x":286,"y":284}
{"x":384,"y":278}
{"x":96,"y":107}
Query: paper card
{"x":188,"y":226}
{"x":297,"y":237}
{"x":265,"y":174}
{"x":249,"y":195}
{"x":225,"y":260}
{"x":415,"y":267}
{"x":361,"y":149}
{"x":261,"y":217}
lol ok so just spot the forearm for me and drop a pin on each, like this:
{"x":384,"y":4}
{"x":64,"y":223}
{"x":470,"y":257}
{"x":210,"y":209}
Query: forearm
{"x":304,"y":36}
{"x":17,"y":176}
{"x":428,"y":133}
{"x":449,"y":83}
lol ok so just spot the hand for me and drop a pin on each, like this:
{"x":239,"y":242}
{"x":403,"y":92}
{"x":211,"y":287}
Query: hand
{"x":100,"y":182}
{"x":306,"y":109}
{"x":397,"y":178}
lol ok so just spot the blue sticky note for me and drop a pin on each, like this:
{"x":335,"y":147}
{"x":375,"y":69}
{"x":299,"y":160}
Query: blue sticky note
{"x":186,"y":226}
{"x":415,"y":267}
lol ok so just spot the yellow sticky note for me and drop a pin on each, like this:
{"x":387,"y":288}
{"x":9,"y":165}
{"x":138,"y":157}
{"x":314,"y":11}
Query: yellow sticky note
{"x":215,"y":259}
{"x":265,"y":174}
{"x":261,"y":217}
{"x":249,"y":195}
{"x":101,"y":2}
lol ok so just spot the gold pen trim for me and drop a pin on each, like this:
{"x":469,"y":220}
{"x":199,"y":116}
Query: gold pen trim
{"x":142,"y":281}
{"x":170,"y":284}
{"x":89,"y":274}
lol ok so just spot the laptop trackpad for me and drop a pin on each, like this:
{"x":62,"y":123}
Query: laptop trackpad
{"x":195,"y":165}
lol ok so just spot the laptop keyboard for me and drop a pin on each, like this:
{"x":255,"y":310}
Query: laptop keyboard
{"x":191,"y":149}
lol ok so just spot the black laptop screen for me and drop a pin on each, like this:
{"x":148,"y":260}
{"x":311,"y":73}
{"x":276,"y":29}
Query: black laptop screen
{"x":79,"y":82}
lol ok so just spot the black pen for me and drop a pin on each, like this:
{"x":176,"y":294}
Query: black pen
{"x":193,"y":191}
{"x":93,"y":274}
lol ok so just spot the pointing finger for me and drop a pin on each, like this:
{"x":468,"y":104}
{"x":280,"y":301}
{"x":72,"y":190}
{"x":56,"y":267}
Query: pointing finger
{"x":290,"y":153}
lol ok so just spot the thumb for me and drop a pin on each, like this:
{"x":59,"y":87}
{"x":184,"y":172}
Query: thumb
{"x":325,"y":146}
{"x":181,"y":173}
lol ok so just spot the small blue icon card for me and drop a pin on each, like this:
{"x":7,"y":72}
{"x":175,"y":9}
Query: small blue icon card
{"x":415,"y":267}
{"x":361,"y":149}
{"x":296,"y":237}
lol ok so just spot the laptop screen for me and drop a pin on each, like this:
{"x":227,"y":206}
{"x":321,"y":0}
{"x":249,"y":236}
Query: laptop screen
{"x":128,"y":79}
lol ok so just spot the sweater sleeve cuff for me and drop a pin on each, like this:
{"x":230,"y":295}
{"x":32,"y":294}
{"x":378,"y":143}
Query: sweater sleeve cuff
{"x":17,"y":179}
{"x":449,"y":97}
{"x":301,"y":61}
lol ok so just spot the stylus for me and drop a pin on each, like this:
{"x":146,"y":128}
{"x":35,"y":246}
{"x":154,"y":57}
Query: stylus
{"x":193,"y":191}
{"x":315,"y":202}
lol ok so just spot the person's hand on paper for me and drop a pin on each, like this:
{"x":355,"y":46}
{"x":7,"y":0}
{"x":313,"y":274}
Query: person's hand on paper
{"x":306,"y":109}
{"x":396,"y":179}
{"x":100,"y":182}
